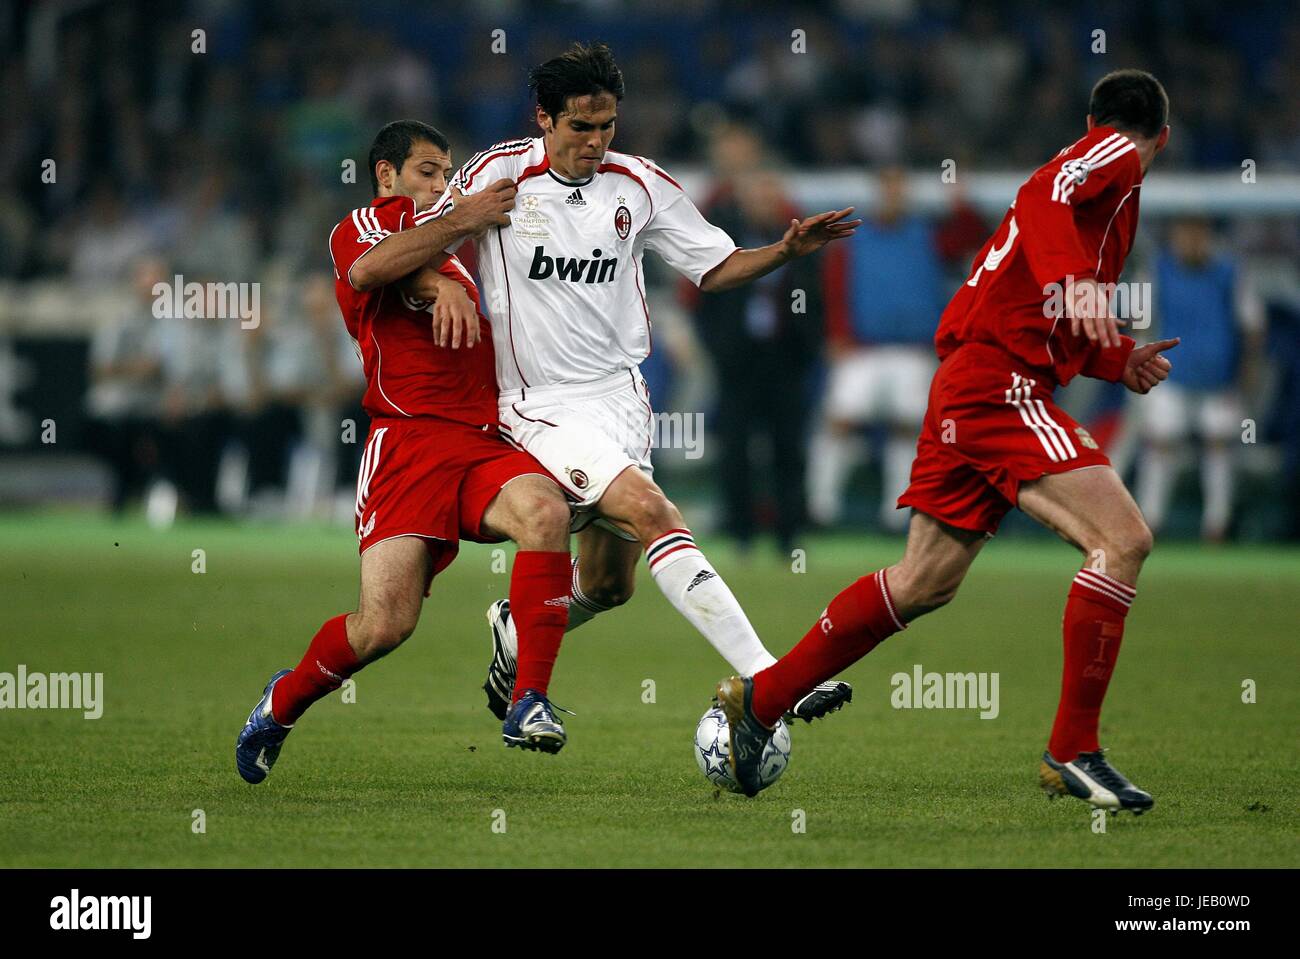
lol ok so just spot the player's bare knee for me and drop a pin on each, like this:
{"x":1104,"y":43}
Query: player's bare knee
{"x":380,"y":635}
{"x":543,"y":521}
{"x":934,"y":594}
{"x":1124,"y":550}
{"x":609,"y":590}
{"x":1138,"y":542}
{"x":653,"y":514}
{"x":919,"y":591}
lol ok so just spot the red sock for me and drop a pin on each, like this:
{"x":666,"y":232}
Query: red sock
{"x":329,"y":660}
{"x":539,"y":605}
{"x":855,"y":622}
{"x":1093,"y":627}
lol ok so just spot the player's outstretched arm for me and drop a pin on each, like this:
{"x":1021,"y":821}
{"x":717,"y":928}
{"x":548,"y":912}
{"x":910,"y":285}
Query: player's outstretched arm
{"x":1146,"y":367}
{"x":803,"y":237}
{"x":404,"y":252}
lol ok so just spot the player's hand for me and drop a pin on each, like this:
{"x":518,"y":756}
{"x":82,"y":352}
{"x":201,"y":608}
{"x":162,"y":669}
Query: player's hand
{"x":454,"y":318}
{"x":810,"y":235}
{"x":1146,"y":367}
{"x":489,"y":207}
{"x":1090,"y":313}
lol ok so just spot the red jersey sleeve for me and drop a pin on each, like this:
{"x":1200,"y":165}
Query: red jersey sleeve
{"x":1047,"y":204}
{"x":1108,"y":364}
{"x":365,"y":228}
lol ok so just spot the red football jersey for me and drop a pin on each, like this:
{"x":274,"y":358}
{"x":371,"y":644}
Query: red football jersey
{"x":1076,"y":216}
{"x":406,"y":373}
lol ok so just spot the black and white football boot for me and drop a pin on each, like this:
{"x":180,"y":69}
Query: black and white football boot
{"x":500,"y":684}
{"x":1089,"y":777}
{"x":825,"y":699}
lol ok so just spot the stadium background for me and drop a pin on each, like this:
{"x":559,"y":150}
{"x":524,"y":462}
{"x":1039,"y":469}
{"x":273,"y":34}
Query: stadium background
{"x":229,"y":165}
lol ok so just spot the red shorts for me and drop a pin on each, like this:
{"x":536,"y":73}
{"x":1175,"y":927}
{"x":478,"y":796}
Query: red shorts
{"x":433,"y":479}
{"x":990,"y":427}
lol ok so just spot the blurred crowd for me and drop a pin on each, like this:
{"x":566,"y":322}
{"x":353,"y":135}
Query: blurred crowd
{"x":243,"y":111}
{"x":214,"y":417}
{"x":821,"y":369}
{"x":213,"y":138}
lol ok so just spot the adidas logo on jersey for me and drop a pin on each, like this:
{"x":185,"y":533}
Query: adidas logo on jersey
{"x":572,"y":269}
{"x":575,"y":199}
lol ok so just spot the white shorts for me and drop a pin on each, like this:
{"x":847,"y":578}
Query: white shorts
{"x":1170,"y":413}
{"x":890,"y":384}
{"x":585,"y":434}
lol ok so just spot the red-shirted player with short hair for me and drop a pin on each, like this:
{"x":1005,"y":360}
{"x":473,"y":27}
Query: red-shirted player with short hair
{"x":435,"y":469}
{"x":993,"y":439}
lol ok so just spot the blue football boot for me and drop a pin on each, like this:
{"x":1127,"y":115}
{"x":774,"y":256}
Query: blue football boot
{"x":531,"y":724}
{"x":259,"y":743}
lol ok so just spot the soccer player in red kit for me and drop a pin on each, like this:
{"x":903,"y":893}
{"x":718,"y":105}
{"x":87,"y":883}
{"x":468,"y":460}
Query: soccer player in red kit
{"x":435,"y":469}
{"x":1031,"y":317}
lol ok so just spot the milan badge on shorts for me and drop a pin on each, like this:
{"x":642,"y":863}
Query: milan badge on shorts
{"x":578,"y":478}
{"x":1085,"y":438}
{"x":623,"y":222}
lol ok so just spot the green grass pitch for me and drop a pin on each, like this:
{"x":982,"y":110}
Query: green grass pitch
{"x":413,"y":773}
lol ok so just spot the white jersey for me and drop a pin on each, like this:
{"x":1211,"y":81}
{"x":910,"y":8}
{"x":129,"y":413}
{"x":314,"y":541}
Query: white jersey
{"x":563,"y":284}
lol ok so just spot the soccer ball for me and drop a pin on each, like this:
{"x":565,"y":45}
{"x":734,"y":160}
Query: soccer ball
{"x":713,"y":746}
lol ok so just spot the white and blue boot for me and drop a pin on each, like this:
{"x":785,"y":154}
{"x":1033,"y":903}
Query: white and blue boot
{"x":259,"y":743}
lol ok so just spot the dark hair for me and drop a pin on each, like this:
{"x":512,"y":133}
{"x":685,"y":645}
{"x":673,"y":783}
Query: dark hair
{"x":1130,"y":100}
{"x":578,"y":72}
{"x":393,"y":143}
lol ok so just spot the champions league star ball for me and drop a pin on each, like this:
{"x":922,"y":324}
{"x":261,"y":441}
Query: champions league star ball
{"x":713,"y":746}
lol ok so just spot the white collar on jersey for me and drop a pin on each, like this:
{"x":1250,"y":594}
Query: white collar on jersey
{"x":559,"y":179}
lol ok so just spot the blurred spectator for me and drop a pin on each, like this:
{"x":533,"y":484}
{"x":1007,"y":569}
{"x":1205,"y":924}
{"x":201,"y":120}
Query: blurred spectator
{"x":106,"y":240}
{"x":334,"y":410}
{"x":126,"y":388}
{"x":763,"y":341}
{"x":885,"y":289}
{"x":1284,"y":418}
{"x":205,"y":379}
{"x":305,"y":377}
{"x":282,"y":370}
{"x":1200,"y":297}
{"x":218,"y":242}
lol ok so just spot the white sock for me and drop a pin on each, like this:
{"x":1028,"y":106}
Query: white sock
{"x":1216,"y":489}
{"x":696,"y":590}
{"x":1155,"y":484}
{"x":830,"y":458}
{"x":899,"y":453}
{"x":582,"y":609}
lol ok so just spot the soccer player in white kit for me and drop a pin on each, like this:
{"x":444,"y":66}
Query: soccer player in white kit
{"x":565,"y":294}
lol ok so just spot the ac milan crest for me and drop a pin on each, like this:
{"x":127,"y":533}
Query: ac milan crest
{"x":623,"y":222}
